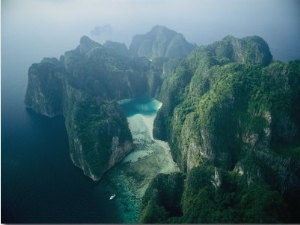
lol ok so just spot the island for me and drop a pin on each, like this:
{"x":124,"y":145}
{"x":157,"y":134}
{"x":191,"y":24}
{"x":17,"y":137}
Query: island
{"x":228,"y":111}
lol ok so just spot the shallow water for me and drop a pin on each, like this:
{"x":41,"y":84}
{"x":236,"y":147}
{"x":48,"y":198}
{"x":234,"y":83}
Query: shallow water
{"x":140,"y":105}
{"x":132,"y":176}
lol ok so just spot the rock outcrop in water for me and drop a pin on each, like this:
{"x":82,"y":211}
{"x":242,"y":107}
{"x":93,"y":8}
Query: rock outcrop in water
{"x":97,"y":128}
{"x":84,"y":86}
{"x":230,"y":114}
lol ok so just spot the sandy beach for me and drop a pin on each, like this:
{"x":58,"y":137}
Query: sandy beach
{"x":139,"y":123}
{"x":149,"y":158}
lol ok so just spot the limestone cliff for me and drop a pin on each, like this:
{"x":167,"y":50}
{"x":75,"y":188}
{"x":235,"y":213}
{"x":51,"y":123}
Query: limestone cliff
{"x":83,"y":86}
{"x":230,"y":115}
{"x":216,"y":74}
{"x":160,"y":42}
{"x":229,"y":107}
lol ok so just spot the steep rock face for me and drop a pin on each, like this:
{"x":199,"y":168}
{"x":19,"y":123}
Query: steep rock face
{"x":83,"y":86}
{"x":160,"y":42}
{"x":117,"y":48}
{"x":44,"y":78}
{"x":252,"y":50}
{"x":98,"y":135}
{"x":162,"y":198}
{"x":86,"y":44}
{"x":212,"y":194}
{"x":230,"y":115}
{"x":230,"y":107}
{"x":202,"y":78}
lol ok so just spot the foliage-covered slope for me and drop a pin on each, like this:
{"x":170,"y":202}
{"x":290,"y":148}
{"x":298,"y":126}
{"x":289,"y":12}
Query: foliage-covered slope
{"x":84,"y":86}
{"x":230,"y":108}
{"x":230,"y":115}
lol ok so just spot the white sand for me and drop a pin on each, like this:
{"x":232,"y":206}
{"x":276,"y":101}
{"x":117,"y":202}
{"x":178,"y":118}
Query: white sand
{"x":149,"y":120}
{"x":139,"y":123}
{"x":141,"y":127}
{"x":150,"y":156}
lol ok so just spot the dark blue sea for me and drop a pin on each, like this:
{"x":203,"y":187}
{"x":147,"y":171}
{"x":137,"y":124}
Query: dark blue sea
{"x":39,"y":183}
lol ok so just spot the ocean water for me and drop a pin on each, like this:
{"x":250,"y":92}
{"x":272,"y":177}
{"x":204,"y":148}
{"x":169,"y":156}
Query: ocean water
{"x":40,"y":184}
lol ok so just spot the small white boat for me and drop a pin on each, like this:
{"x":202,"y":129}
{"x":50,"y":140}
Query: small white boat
{"x":112,"y":197}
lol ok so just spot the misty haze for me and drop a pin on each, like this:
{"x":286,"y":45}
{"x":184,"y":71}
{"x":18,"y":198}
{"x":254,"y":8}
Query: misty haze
{"x":130,"y":111}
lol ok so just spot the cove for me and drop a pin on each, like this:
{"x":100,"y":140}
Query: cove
{"x":130,"y":179}
{"x":40,"y":184}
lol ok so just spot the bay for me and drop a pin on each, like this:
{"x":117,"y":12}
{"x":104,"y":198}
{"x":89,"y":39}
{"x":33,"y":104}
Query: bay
{"x":39,"y":183}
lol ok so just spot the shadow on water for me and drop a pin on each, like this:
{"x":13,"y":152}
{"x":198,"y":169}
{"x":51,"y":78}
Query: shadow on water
{"x":40,"y":184}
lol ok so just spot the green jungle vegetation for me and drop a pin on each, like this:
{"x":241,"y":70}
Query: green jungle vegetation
{"x":235,"y":200}
{"x":230,"y":113}
{"x":229,"y":107}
